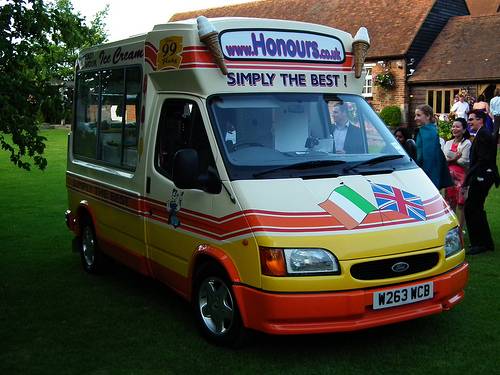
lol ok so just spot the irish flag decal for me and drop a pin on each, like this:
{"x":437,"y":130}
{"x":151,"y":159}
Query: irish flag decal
{"x":347,"y":206}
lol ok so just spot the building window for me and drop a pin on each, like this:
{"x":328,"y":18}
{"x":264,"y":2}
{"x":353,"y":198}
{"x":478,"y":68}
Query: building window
{"x":368,"y":86}
{"x":441,"y":100}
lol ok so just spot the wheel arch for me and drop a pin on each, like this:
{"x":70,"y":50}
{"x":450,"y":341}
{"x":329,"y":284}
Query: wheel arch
{"x":84,"y":211}
{"x":207,"y":253}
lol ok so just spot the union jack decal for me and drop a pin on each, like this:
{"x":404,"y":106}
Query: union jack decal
{"x":390,"y":198}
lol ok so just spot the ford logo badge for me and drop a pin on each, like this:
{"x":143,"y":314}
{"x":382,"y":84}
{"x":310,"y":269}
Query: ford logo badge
{"x":400,"y":267}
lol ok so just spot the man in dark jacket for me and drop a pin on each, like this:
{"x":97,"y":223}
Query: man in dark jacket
{"x":482,"y":174}
{"x":348,"y":138}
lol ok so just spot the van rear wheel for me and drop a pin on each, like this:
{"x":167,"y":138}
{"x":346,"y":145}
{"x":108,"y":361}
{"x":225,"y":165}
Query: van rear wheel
{"x":91,"y":257}
{"x":215,"y":307}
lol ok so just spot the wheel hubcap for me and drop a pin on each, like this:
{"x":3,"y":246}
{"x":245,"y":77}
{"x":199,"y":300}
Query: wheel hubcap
{"x":88,"y":246}
{"x":216,"y":305}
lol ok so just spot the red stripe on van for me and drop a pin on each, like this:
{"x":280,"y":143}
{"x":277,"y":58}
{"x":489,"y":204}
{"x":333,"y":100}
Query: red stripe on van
{"x":242,"y":222}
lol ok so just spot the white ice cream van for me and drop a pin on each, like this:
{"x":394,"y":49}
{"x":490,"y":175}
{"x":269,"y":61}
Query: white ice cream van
{"x":236,"y":161}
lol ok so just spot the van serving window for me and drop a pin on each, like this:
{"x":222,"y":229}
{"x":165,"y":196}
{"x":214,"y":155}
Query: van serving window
{"x":87,"y":106}
{"x":107,"y":114}
{"x":181,"y":126}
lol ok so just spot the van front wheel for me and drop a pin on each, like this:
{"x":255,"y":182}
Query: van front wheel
{"x":216,"y":309}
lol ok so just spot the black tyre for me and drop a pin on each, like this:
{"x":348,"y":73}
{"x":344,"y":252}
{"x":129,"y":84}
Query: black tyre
{"x":215,"y":307}
{"x":93,"y":260}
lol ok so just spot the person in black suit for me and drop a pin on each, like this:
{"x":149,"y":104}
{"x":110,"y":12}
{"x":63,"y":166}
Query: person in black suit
{"x":347,"y":136}
{"x":482,"y":174}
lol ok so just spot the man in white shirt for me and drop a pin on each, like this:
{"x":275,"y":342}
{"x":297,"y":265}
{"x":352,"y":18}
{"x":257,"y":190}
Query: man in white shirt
{"x":230,"y":133}
{"x":460,"y":108}
{"x":495,"y":111}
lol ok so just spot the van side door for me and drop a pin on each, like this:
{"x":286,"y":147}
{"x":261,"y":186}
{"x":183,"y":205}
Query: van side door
{"x":173,"y":227}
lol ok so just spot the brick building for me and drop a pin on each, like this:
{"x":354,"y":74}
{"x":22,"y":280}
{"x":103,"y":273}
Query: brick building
{"x":466,"y":55}
{"x":401,"y":32}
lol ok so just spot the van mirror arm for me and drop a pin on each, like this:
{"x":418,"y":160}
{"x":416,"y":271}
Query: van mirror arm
{"x":210,"y":181}
{"x":231,"y":197}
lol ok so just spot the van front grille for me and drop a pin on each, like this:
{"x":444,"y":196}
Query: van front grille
{"x":394,"y":267}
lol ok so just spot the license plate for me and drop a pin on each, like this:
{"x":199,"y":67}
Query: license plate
{"x":403,"y":296}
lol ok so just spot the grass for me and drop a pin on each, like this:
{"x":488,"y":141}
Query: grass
{"x":55,"y":319}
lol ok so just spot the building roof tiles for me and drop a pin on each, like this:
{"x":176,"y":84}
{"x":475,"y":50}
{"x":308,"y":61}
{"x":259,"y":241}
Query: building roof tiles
{"x":468,"y":49}
{"x":392,"y":25}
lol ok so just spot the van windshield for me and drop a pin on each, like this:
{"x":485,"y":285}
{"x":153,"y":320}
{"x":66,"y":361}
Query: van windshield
{"x":302,"y":135}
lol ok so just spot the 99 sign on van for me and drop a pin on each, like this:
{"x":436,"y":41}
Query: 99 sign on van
{"x":236,"y":161}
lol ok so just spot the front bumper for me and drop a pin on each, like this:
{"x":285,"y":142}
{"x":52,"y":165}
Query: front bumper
{"x":305,"y":313}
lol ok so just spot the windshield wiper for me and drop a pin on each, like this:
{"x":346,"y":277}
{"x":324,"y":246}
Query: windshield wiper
{"x":376,"y":160}
{"x":311,"y":164}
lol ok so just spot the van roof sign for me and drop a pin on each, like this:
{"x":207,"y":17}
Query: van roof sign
{"x":207,"y":56}
{"x":282,"y":45}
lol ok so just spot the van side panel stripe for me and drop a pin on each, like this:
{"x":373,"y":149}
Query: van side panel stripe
{"x":196,"y":57}
{"x":237,"y":224}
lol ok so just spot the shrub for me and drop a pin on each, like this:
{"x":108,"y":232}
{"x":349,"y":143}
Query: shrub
{"x":444,"y":129}
{"x":391,"y":115}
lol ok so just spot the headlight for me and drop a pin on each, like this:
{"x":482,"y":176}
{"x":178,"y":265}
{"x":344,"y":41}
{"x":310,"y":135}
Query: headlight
{"x":300,"y":261}
{"x":453,"y":242}
{"x":282,"y":262}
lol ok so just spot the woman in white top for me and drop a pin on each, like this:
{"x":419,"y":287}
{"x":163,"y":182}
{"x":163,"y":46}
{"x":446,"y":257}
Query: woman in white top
{"x":457,"y":151}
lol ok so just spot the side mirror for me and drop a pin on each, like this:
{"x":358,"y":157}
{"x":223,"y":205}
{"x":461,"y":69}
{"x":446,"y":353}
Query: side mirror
{"x":186,"y":173}
{"x":185,"y":170}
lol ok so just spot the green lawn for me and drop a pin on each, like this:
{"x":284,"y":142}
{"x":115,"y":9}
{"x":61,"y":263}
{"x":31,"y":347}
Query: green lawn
{"x":56,"y":319}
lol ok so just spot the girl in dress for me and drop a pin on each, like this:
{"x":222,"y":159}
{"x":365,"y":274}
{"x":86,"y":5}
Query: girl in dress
{"x":429,"y":155}
{"x":457,"y":151}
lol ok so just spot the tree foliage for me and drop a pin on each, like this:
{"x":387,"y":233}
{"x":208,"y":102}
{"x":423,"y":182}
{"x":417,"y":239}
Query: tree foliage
{"x":39,"y":43}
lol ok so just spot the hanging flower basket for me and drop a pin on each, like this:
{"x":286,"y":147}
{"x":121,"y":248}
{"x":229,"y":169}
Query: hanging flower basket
{"x":385,"y":80}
